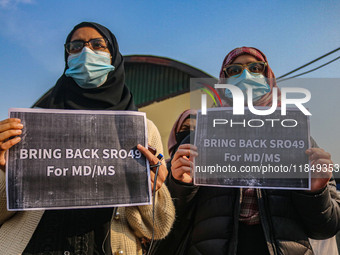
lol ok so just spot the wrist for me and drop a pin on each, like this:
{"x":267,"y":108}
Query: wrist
{"x":180,"y":182}
{"x":315,"y":191}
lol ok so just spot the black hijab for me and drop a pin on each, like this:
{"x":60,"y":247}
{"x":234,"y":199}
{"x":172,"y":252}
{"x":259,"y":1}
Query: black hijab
{"x":112,"y":95}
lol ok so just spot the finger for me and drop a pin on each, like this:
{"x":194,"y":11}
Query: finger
{"x":4,"y":147}
{"x":322,"y":161}
{"x":178,"y":173}
{"x":186,"y":178}
{"x":320,"y":154}
{"x":188,"y":147}
{"x":181,"y":162}
{"x":162,"y":173}
{"x":317,"y":164}
{"x":181,"y":170}
{"x":153,"y":169}
{"x":9,"y":133}
{"x":152,"y":176}
{"x":159,"y":182}
{"x":152,"y":179}
{"x":158,"y":186}
{"x":316,"y":153}
{"x":318,"y":184}
{"x":9,"y":120}
{"x":149,"y":156}
{"x":10,"y":124}
{"x":310,"y":151}
{"x":161,"y":176}
{"x":2,"y":159}
{"x":185,"y":151}
{"x":321,"y":175}
{"x":323,"y":165}
{"x":8,"y":144}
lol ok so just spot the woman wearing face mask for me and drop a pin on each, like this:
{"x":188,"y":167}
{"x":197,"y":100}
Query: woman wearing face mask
{"x":184,"y":125}
{"x":93,"y":79}
{"x":181,"y":131}
{"x":248,"y":68}
{"x":253,"y":221}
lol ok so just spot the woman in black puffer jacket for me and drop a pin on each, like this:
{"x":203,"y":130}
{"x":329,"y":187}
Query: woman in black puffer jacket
{"x":250,"y":221}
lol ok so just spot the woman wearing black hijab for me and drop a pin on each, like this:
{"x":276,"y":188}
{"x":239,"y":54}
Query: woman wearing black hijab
{"x":93,"y":79}
{"x":112,"y":95}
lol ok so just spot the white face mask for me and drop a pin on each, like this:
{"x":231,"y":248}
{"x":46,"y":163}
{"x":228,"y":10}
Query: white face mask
{"x":247,"y":80}
{"x":89,"y":69}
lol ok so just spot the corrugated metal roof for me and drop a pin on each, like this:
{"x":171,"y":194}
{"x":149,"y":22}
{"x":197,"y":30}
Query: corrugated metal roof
{"x":152,"y":78}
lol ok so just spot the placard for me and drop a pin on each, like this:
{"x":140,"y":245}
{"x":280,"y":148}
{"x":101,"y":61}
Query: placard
{"x":78,"y":159}
{"x":263,"y":151}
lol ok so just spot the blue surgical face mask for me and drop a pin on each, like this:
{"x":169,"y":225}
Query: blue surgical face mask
{"x":247,"y":80}
{"x":89,"y":69}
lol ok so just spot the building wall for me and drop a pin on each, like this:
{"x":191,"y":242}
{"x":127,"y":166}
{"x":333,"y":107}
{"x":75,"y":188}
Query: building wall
{"x":165,"y":113}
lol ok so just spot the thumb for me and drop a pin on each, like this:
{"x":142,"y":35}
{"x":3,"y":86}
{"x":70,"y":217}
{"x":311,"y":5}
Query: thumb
{"x":2,"y":158}
{"x":2,"y":161}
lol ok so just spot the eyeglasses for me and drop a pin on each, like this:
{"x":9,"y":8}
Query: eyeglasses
{"x":235,"y":70}
{"x":77,"y":45}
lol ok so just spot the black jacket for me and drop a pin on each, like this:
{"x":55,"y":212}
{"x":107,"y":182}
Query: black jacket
{"x":288,"y":218}
{"x":207,"y":219}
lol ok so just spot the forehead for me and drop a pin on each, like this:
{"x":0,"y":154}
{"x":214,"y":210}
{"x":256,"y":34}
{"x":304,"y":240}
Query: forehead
{"x":189,"y":122}
{"x":244,"y":59}
{"x":85,"y":34}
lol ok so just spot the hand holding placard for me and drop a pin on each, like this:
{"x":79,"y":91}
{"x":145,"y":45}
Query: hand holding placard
{"x":153,"y":160}
{"x":182,"y":163}
{"x":8,"y":128}
{"x":75,"y":159}
{"x":321,"y":168}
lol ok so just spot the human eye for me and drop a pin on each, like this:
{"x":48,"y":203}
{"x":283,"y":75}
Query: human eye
{"x":256,"y":67}
{"x":75,"y":46}
{"x":98,"y":44}
{"x":234,"y":70}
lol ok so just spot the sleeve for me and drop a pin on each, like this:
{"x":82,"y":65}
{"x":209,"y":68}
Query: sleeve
{"x":4,"y":214}
{"x":183,"y":194}
{"x":320,"y":212}
{"x":154,"y":138}
{"x":140,"y":218}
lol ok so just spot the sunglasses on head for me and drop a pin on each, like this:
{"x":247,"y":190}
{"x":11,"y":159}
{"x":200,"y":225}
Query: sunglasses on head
{"x":94,"y":44}
{"x":235,"y":70}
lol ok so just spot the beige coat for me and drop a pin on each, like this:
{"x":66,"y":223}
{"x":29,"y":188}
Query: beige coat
{"x":127,"y":226}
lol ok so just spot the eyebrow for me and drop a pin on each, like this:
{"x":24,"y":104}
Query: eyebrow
{"x":245,"y":63}
{"x":88,"y":40}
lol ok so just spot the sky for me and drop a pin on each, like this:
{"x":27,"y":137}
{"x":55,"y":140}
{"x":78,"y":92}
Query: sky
{"x":198,"y":33}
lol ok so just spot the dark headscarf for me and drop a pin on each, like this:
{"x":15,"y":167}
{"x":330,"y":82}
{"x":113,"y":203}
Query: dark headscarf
{"x":265,"y":100}
{"x":172,"y":143}
{"x":112,"y":95}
